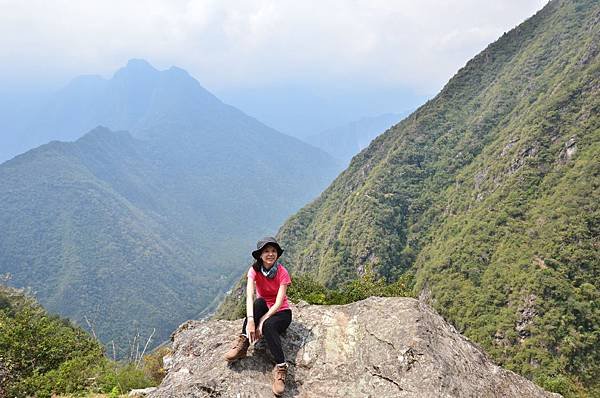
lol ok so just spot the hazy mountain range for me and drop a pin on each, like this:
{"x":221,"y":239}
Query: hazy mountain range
{"x":144,"y":228}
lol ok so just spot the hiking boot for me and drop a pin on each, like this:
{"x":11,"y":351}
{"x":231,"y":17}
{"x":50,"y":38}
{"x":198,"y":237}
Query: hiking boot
{"x":239,"y":349}
{"x":279,"y":373}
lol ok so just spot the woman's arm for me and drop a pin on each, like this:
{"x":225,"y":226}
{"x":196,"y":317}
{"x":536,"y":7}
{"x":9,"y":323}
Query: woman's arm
{"x":250,"y":325}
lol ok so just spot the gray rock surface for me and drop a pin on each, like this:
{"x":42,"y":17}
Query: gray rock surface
{"x":379,"y":347}
{"x":141,"y":392}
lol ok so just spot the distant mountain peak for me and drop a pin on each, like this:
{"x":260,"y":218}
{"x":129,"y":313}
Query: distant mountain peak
{"x":177,"y":70}
{"x":100,"y":129}
{"x":137,"y":68}
{"x":139,"y":64}
{"x":102,"y":134}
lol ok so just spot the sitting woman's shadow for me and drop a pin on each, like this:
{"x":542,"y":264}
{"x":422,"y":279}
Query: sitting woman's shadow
{"x":260,"y":358}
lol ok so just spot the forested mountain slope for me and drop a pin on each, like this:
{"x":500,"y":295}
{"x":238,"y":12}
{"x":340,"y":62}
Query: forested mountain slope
{"x":488,"y":194}
{"x":91,"y":251}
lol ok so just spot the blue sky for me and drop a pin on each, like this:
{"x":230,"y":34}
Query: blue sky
{"x":300,"y":66}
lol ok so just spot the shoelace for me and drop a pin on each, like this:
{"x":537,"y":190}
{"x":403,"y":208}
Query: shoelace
{"x":281,"y":372}
{"x":239,"y":343}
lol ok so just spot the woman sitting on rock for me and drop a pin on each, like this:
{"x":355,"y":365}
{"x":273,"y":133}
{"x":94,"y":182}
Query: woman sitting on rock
{"x":270,"y":311}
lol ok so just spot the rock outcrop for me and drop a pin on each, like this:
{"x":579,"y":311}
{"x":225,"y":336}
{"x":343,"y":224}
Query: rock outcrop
{"x":379,"y":347}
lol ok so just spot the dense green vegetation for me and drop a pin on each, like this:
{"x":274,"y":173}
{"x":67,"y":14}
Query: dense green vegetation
{"x":489,"y":194}
{"x":142,"y":231}
{"x":42,"y":355}
{"x":306,"y":288}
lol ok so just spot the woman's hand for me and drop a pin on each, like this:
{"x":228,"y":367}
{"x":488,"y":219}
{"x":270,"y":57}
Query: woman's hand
{"x":259,"y":330}
{"x":251,"y":331}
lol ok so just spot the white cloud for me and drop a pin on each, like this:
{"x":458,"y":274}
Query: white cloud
{"x":415,"y":44}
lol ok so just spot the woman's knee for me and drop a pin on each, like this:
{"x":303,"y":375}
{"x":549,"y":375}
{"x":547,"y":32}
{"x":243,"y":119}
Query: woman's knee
{"x":260,"y":304}
{"x":269,"y":326}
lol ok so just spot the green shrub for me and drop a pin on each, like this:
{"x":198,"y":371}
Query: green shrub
{"x":45,"y":354}
{"x":48,"y":355}
{"x":559,"y":384}
{"x":125,"y":377}
{"x":153,"y":364}
{"x":305,"y":287}
{"x":115,"y":392}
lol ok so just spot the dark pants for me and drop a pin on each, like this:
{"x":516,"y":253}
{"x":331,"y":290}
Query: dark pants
{"x":272,"y":327}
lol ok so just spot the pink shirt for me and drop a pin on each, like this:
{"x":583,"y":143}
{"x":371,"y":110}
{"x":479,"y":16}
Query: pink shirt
{"x":268,"y":288}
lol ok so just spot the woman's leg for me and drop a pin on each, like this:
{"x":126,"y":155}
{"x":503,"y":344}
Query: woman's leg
{"x":272,"y":328}
{"x":260,"y":308}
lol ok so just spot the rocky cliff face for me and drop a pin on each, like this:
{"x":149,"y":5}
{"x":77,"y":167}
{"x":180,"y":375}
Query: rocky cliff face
{"x":379,"y":347}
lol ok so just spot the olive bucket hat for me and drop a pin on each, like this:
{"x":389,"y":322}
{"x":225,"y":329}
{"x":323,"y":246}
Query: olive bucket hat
{"x":269,"y":240}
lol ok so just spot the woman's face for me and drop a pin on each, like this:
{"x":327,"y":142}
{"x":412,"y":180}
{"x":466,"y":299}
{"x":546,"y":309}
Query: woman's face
{"x":268,"y":256}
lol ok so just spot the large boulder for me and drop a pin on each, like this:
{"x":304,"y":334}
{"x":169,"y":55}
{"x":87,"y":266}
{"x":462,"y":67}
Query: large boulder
{"x":379,"y":347}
